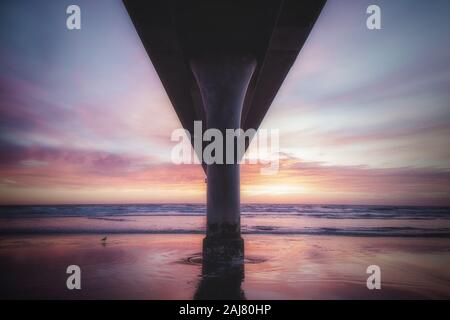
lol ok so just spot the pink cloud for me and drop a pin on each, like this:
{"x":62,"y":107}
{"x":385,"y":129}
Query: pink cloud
{"x":50,"y":168}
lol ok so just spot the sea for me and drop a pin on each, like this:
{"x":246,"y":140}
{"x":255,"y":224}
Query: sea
{"x":283,"y":219}
{"x":154,"y":251}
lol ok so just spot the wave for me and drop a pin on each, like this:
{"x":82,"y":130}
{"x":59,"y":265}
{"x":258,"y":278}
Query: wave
{"x":246,"y":230}
{"x":336,"y":220}
{"x":313,"y":211}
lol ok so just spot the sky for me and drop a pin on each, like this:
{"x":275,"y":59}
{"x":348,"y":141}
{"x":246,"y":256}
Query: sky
{"x":364,"y":115}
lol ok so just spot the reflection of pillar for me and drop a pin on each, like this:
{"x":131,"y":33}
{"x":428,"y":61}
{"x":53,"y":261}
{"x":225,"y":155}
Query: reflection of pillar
{"x":223,"y":79}
{"x":221,"y":281}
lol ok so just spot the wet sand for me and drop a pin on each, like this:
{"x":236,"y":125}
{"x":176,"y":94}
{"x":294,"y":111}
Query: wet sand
{"x":169,"y":266}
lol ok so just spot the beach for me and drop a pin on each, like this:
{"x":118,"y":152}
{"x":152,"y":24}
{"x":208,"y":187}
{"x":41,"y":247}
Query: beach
{"x":169,"y":266}
{"x":154,"y":251}
{"x":224,"y":150}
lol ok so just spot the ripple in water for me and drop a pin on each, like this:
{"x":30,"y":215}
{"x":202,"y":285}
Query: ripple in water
{"x":197,"y":259}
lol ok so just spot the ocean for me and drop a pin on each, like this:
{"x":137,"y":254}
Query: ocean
{"x":284,"y":219}
{"x":154,"y":251}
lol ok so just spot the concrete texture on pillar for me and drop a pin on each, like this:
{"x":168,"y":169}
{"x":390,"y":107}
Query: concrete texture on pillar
{"x":223,"y":79}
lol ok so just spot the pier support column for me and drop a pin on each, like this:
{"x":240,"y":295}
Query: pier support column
{"x":223,"y":80}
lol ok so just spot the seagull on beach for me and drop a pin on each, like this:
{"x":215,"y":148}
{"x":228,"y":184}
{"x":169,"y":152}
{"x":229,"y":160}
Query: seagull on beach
{"x":104,"y":239}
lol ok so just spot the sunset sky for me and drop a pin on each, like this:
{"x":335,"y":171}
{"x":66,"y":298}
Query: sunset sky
{"x":364,"y":116}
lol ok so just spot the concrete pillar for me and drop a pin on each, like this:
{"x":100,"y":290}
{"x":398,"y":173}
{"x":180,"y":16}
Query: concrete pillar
{"x":223,"y":80}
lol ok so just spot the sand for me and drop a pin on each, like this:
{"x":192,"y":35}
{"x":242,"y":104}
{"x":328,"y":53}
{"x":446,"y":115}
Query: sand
{"x":155,"y":266}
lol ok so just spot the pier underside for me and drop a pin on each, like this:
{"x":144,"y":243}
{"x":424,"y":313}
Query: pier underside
{"x":222,"y":62}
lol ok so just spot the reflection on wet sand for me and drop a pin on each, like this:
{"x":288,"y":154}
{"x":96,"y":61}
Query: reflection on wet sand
{"x":171,"y":267}
{"x":221,"y":280}
{"x":222,"y":269}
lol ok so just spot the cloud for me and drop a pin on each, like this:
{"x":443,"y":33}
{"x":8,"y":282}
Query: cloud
{"x":84,"y":116}
{"x":59,"y":167}
{"x":318,"y":182}
{"x":53,"y":170}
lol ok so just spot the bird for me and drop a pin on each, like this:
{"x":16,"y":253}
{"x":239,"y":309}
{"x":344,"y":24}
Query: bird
{"x":104,"y":239}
